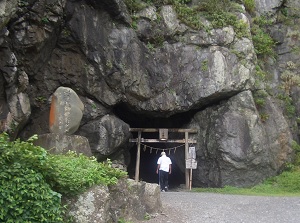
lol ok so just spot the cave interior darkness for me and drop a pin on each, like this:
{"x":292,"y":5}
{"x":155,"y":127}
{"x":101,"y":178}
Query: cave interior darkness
{"x":148,"y":158}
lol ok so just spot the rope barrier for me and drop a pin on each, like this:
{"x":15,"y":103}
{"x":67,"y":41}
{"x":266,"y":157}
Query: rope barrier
{"x":160,"y":149}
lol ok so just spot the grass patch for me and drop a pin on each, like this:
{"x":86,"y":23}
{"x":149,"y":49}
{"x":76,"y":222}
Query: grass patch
{"x":285,"y":184}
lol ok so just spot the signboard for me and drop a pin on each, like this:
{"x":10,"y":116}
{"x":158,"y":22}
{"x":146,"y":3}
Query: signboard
{"x":190,"y":164}
{"x":192,"y":153}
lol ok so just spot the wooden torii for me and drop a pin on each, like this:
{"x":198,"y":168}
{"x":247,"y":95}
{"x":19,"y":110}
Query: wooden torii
{"x":139,"y":140}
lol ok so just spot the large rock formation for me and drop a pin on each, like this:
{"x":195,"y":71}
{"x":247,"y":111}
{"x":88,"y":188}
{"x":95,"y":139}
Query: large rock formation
{"x":126,"y":200}
{"x":148,"y":63}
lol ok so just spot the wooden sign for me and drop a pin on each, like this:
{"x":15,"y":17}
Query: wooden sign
{"x":163,"y":134}
{"x":192,"y":153}
{"x":190,"y":164}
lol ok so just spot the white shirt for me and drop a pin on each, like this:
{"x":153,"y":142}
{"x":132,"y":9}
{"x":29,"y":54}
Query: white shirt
{"x":164,"y":163}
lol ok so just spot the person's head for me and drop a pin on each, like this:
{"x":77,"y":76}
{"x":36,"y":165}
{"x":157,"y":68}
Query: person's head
{"x":163,"y":154}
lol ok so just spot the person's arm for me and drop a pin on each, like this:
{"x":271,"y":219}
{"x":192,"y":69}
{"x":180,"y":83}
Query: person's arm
{"x":170,"y":168}
{"x":158,"y":166}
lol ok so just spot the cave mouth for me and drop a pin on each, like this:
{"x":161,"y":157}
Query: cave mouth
{"x":150,"y":152}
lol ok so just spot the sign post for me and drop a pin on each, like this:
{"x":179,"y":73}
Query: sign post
{"x":191,"y":163}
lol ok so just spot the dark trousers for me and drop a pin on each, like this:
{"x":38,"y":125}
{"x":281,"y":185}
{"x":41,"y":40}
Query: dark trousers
{"x":163,"y":179}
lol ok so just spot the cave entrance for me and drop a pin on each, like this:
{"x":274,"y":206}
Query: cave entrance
{"x":162,"y":139}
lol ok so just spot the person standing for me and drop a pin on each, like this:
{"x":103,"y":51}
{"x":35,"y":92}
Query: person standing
{"x":164,"y":168}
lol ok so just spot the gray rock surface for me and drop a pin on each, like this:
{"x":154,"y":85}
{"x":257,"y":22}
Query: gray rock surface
{"x":125,"y":200}
{"x":107,"y":136}
{"x":61,"y":144}
{"x":66,"y":111}
{"x":234,"y":147}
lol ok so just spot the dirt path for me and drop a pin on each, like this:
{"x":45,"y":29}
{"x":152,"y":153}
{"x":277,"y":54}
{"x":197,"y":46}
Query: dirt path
{"x":189,"y":207}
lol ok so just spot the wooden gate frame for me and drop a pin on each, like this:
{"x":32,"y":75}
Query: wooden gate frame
{"x":186,"y":140}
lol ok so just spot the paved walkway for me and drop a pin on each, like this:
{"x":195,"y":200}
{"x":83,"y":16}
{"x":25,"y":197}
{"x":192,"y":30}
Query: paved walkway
{"x":190,"y":207}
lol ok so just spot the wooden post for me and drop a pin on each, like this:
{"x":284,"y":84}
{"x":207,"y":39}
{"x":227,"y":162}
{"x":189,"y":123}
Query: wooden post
{"x":187,"y":179}
{"x":138,"y":154}
{"x":191,"y":174}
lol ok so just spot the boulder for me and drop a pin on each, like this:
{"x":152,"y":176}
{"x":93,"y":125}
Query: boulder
{"x":60,"y":143}
{"x":66,"y":111}
{"x":108,"y":136}
{"x":127,"y":200}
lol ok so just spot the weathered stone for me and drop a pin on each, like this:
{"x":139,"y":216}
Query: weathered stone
{"x":61,"y":144}
{"x":66,"y":111}
{"x":234,"y":147}
{"x":267,"y":6}
{"x":171,"y":21}
{"x":107,"y":136}
{"x":124,"y":200}
{"x":91,"y":206}
{"x":7,"y":9}
{"x":152,"y":198}
{"x":149,"y":12}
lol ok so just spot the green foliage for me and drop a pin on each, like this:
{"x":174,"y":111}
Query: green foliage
{"x":262,"y":41}
{"x":249,"y":5}
{"x":150,"y":46}
{"x":41,"y":99}
{"x":264,"y":117}
{"x":287,"y":181}
{"x":189,"y":16}
{"x":296,"y":148}
{"x":289,"y":79}
{"x":260,"y":73}
{"x":32,"y":181}
{"x":74,"y":173}
{"x":219,"y":12}
{"x":285,"y":184}
{"x":45,"y":20}
{"x":204,"y":65}
{"x":24,"y":194}
{"x":259,"y":98}
{"x":289,"y":108}
{"x":147,"y":217}
{"x":122,"y":220}
{"x":135,"y":5}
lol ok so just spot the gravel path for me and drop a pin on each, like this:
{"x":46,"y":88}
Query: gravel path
{"x":189,"y":207}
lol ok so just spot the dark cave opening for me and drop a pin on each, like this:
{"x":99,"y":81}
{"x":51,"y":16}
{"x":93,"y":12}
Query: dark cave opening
{"x":150,"y":152}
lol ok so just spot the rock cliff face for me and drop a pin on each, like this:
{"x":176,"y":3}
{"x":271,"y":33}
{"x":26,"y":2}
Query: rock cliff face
{"x":131,"y":61}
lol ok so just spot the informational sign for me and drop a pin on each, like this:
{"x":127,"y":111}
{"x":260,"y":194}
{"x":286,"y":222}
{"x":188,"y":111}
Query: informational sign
{"x":192,"y":153}
{"x":190,"y":164}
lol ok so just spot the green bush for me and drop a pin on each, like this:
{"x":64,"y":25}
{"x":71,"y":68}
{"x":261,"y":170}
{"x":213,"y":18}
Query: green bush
{"x":74,"y":173}
{"x":249,"y":5}
{"x":262,"y":41}
{"x":32,"y":181}
{"x":24,"y":194}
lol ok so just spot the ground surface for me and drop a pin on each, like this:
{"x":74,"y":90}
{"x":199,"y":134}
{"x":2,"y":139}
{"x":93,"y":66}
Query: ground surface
{"x":190,"y":207}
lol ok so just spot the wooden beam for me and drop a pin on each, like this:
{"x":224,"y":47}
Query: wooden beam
{"x":164,"y":141}
{"x":187,"y":179}
{"x":138,"y":158}
{"x":157,"y":130}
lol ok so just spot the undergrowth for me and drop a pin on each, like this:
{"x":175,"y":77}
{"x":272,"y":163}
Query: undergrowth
{"x":32,"y":181}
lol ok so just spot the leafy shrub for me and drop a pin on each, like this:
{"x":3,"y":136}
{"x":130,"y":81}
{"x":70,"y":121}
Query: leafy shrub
{"x":32,"y":181}
{"x":249,"y":5}
{"x":24,"y":194}
{"x":262,"y":41}
{"x":74,"y":173}
{"x":289,"y":108}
